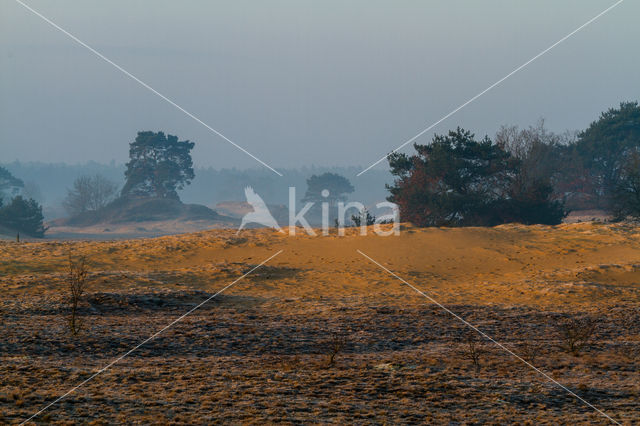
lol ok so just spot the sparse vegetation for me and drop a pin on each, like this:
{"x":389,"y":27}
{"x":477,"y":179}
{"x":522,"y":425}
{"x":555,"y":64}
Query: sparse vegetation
{"x":530,"y":350}
{"x":363,"y":217}
{"x":333,"y":346}
{"x":76,"y":286}
{"x":470,"y":348}
{"x":576,"y":333}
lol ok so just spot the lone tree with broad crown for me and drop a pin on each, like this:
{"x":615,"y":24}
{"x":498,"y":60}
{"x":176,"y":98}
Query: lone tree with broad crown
{"x":158,"y":166}
{"x":337,"y":185}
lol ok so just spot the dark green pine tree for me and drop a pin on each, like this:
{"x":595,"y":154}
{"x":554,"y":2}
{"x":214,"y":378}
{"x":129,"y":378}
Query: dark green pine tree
{"x":158,"y":166}
{"x":605,"y":146}
{"x":9,"y":184}
{"x":24,"y":216}
{"x":457,"y":180}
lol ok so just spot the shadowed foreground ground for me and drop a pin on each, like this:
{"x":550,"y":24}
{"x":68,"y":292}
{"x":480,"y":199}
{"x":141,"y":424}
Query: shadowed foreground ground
{"x":259,"y":352}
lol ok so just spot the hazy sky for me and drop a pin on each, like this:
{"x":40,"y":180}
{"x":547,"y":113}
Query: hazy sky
{"x":301,"y":82}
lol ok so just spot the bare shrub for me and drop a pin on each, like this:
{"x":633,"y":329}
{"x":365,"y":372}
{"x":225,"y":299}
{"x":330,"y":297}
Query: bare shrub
{"x":471,"y":348}
{"x":76,"y":284}
{"x":89,"y":193}
{"x":576,"y":333}
{"x":530,"y":350}
{"x":333,"y":346}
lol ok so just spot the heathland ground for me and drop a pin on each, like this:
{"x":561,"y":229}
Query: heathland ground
{"x":322,"y":334}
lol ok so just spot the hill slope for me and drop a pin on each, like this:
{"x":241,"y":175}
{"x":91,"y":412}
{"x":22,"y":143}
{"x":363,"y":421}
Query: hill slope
{"x":125,"y":210}
{"x":139,"y":217}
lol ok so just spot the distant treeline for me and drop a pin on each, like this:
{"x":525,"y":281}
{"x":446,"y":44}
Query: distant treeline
{"x":526,"y":175}
{"x":211,"y":186}
{"x":48,"y":183}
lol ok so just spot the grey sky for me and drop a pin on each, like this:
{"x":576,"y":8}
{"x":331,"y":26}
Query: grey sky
{"x":301,"y":82}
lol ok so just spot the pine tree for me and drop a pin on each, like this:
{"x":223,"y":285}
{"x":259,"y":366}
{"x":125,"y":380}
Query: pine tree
{"x":158,"y":166}
{"x":24,"y":216}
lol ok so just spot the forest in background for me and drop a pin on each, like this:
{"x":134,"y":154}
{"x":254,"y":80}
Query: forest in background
{"x":48,"y":183}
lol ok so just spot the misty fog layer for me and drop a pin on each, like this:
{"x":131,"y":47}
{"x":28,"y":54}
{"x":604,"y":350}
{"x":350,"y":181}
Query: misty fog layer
{"x":300,"y":83}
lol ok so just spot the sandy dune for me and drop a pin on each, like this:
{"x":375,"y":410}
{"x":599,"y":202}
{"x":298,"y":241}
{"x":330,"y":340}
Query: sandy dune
{"x":568,"y":265}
